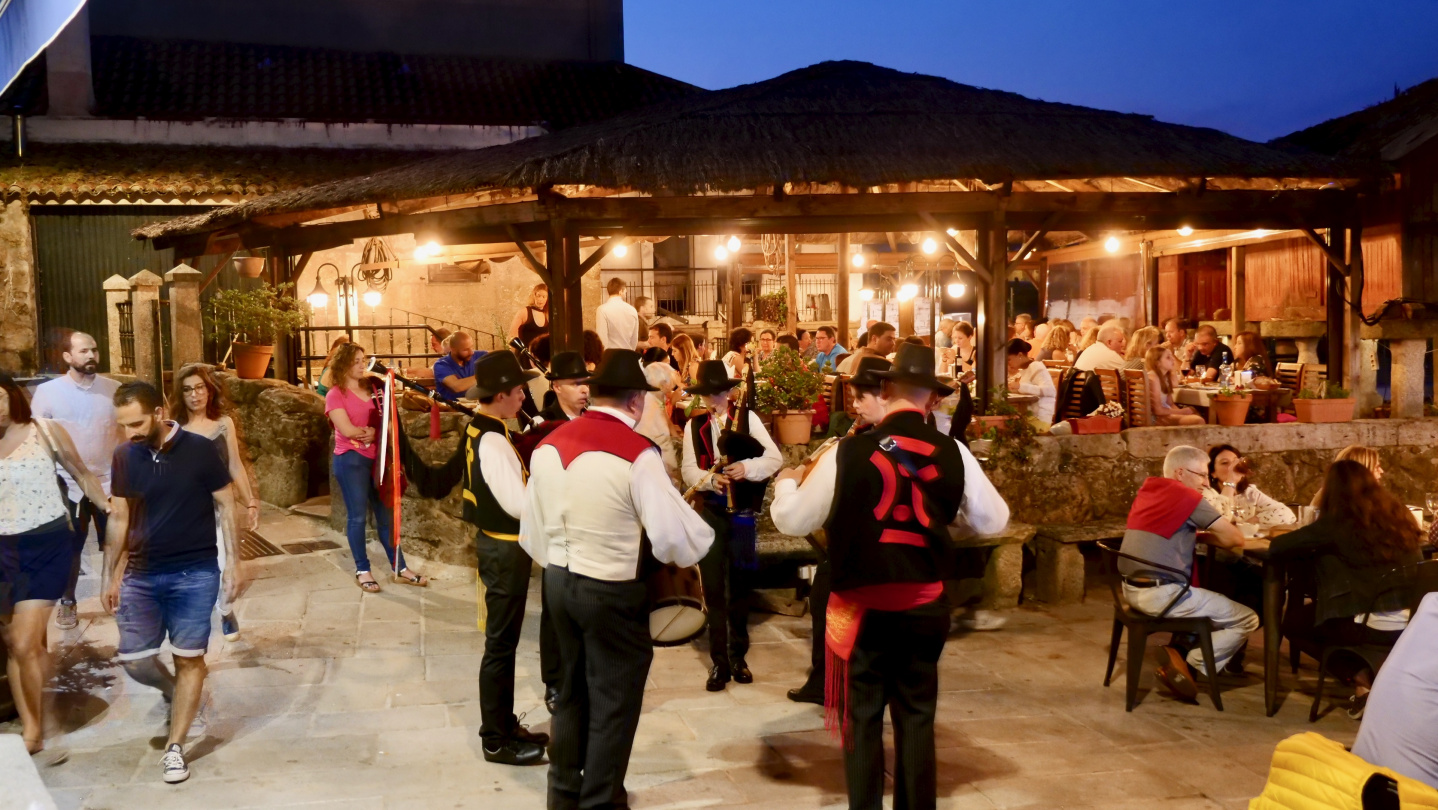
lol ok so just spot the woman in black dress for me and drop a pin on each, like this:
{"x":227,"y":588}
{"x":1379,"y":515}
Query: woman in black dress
{"x":532,"y":321}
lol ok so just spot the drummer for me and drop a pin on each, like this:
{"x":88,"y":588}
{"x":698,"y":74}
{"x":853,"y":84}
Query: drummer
{"x":788,"y":512}
{"x":599,"y":495}
{"x":727,"y":587}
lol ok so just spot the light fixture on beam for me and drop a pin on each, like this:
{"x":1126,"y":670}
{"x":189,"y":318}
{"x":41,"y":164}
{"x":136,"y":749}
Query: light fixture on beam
{"x":929,"y":245}
{"x":620,"y":250}
{"x":1185,"y":230}
{"x":734,"y":244}
{"x":952,"y":232}
{"x":866,"y":294}
{"x":721,"y":253}
{"x":427,"y":251}
{"x":908,"y":290}
{"x":371,"y":298}
{"x":1111,"y":244}
{"x":858,"y":259}
{"x":956,"y":290}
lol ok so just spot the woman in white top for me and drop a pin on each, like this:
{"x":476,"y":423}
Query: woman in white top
{"x":35,"y":547}
{"x":1158,"y":365}
{"x":736,"y":362}
{"x":1029,"y":376}
{"x":654,"y":424}
{"x":1234,"y":496}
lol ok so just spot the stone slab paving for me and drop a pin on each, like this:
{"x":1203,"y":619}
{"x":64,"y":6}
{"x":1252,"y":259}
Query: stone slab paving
{"x":338,"y":699}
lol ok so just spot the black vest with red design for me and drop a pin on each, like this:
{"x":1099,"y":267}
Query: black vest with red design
{"x":480,"y":506}
{"x":703,"y":444}
{"x":890,"y":524}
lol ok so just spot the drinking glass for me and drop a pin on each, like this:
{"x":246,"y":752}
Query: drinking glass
{"x":1432,"y":504}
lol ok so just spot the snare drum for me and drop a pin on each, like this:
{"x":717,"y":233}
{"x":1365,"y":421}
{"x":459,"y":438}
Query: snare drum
{"x":677,"y":614}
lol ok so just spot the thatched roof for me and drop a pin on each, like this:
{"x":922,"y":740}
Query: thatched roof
{"x":836,"y":122}
{"x":1385,"y":131}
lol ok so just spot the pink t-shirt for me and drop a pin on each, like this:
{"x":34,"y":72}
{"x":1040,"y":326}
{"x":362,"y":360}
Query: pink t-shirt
{"x":360,"y":410}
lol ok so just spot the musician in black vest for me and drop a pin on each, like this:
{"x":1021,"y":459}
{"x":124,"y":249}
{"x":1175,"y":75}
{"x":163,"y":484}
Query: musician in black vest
{"x":494,"y":480}
{"x":895,"y":491}
{"x":727,"y":588}
{"x":789,"y":511}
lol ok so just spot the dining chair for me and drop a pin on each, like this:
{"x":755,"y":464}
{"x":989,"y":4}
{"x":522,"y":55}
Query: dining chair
{"x":1112,"y":388}
{"x":1136,"y":403}
{"x":1313,"y":376}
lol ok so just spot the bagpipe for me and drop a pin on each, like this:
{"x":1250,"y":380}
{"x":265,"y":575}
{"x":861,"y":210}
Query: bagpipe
{"x":432,"y":482}
{"x":745,"y":499}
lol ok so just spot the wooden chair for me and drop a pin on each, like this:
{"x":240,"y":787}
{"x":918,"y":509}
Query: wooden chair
{"x":1058,"y":375}
{"x":1136,"y":402}
{"x":1288,"y":374}
{"x":1112,"y":388}
{"x":1141,"y":625}
{"x":1313,"y":376}
{"x":1072,"y":408}
{"x":1058,"y":364}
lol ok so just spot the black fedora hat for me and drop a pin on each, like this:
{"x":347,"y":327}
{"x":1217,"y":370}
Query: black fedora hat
{"x":620,"y":368}
{"x":496,"y":373}
{"x":713,"y":378}
{"x":864,"y":371}
{"x":567,"y":366}
{"x":914,"y":365}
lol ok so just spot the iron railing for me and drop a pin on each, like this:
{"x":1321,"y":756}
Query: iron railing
{"x":126,"y":312}
{"x":816,"y":296}
{"x":395,"y":343}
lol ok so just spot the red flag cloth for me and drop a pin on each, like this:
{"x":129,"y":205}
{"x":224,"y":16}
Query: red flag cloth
{"x":433,"y":419}
{"x":1161,"y":506}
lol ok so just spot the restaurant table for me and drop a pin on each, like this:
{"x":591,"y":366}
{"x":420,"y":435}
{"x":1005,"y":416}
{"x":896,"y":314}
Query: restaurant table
{"x":1275,"y":580}
{"x":1022,"y":401}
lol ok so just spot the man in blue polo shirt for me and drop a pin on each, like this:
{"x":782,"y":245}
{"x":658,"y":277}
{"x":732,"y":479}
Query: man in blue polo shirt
{"x":168,"y":491}
{"x":826,"y":340}
{"x":454,"y":373}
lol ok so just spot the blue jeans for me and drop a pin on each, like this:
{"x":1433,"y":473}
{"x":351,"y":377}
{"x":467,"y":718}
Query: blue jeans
{"x":177,"y":604}
{"x":355,"y":474}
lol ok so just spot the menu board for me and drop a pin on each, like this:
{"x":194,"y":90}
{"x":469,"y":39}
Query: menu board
{"x":873,"y":311}
{"x":891,"y":313}
{"x":923,"y":316}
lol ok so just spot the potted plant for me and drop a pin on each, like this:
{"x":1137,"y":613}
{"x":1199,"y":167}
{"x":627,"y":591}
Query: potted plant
{"x":787,"y":390}
{"x":1230,"y":407}
{"x":772,"y":307}
{"x":253,"y":319}
{"x":1332,"y":403}
{"x":250,"y":266}
{"x":999,"y":413}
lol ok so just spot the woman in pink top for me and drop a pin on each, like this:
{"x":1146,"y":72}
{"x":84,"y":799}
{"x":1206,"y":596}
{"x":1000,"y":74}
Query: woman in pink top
{"x":351,"y":408}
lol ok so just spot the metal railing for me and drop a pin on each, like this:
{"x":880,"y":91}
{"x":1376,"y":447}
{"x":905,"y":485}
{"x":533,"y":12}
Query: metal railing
{"x":483,"y":341}
{"x":126,"y":311}
{"x":395,"y":343}
{"x":683,"y":297}
{"x":816,"y":296}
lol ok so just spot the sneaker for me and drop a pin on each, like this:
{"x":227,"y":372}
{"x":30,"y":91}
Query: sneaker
{"x":67,"y":617}
{"x":981,"y":621}
{"x":1356,"y":704}
{"x":172,"y":765}
{"x":230,"y":626}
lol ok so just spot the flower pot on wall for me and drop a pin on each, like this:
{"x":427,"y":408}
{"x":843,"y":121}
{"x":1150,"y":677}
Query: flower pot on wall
{"x":251,"y":361}
{"x":1324,"y":410}
{"x":250,"y":267}
{"x":1231,"y":410}
{"x":793,"y":427}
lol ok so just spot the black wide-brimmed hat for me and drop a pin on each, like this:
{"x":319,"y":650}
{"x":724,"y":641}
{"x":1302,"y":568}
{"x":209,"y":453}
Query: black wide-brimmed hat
{"x":496,"y":373}
{"x":567,"y":366}
{"x":914,"y":365}
{"x":864,"y":371}
{"x":620,"y":368}
{"x":713,"y":378}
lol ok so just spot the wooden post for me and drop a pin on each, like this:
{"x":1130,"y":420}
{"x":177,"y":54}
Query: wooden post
{"x":573,"y":275}
{"x":1237,"y":299}
{"x":791,"y":289}
{"x":279,"y":266}
{"x":1362,"y":378}
{"x":736,"y":298}
{"x":145,"y":300}
{"x":1148,"y":277}
{"x":1336,"y":311}
{"x":187,"y":343}
{"x":117,"y":291}
{"x":560,"y":338}
{"x":996,"y":322}
{"x":841,"y":314}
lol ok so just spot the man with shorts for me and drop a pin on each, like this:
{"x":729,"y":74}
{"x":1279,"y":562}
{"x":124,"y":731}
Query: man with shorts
{"x":167,"y":484}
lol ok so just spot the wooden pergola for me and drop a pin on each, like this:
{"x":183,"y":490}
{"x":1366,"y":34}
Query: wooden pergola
{"x":837,"y":148}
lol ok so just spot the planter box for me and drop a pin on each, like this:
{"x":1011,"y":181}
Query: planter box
{"x":252,"y":361}
{"x":981,"y":424}
{"x":1096,"y":424}
{"x":1324,"y":410}
{"x":1231,"y":411}
{"x":793,"y":427}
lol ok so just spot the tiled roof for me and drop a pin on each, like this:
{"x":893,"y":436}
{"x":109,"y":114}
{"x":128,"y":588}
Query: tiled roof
{"x":1385,"y":130}
{"x":185,"y":81}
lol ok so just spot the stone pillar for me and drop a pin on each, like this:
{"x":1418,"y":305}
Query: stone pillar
{"x":19,"y":339}
{"x":1365,"y":379}
{"x":145,"y":298}
{"x":187,"y":338}
{"x":1407,"y":377}
{"x":117,"y":291}
{"x":1308,"y":350}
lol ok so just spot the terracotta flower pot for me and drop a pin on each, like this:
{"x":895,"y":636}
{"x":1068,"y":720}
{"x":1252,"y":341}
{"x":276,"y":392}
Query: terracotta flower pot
{"x":1231,"y":410}
{"x":981,"y":424}
{"x":793,"y":427}
{"x":250,"y":267}
{"x":252,"y":361}
{"x":1323,"y":410}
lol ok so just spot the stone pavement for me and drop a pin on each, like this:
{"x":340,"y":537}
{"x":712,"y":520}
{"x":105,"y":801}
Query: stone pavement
{"x":338,"y":699}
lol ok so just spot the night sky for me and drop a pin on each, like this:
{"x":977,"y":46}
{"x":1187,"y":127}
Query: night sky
{"x":1258,"y":69}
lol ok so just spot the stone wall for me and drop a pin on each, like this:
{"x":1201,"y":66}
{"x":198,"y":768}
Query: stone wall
{"x":18,"y":339}
{"x":1074,"y":479}
{"x":285,"y":435}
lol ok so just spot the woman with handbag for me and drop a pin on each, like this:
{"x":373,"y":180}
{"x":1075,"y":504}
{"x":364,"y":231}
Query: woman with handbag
{"x":351,"y":409}
{"x":34,"y":545}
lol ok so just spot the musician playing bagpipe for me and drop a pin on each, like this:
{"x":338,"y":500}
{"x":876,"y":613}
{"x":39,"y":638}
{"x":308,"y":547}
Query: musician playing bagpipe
{"x":600,"y":509}
{"x":728,"y":455}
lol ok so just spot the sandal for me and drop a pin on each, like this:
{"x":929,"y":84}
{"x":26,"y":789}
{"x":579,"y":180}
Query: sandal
{"x":367,"y":587}
{"x":417,"y":580}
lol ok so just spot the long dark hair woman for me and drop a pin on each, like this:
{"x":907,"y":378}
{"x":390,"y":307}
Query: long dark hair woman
{"x":351,"y":409}
{"x":1362,"y":535}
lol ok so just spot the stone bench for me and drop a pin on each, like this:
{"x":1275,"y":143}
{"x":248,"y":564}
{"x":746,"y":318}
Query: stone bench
{"x":1003,"y":575}
{"x":1060,"y":575}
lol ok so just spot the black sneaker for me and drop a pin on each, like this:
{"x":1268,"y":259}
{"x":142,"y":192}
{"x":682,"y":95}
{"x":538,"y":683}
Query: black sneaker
{"x":172,"y":764}
{"x":512,"y":752}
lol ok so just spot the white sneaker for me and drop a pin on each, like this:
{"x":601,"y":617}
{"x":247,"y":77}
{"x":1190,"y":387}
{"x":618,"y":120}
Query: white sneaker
{"x":981,"y":621}
{"x":172,"y":765}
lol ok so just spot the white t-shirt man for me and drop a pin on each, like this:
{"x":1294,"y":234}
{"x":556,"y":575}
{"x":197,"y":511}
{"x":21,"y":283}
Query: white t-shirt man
{"x":617,"y":324}
{"x":86,"y":409}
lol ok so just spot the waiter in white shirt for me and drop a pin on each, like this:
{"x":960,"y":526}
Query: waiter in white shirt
{"x":727,"y":583}
{"x":615,"y":320}
{"x":597,"y":495}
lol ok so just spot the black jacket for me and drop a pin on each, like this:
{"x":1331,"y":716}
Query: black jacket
{"x":1348,"y":579}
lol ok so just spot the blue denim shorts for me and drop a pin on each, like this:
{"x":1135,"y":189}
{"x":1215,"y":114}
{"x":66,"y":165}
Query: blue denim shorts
{"x":178,"y":605}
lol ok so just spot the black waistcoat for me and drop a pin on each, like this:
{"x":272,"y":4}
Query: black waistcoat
{"x":480,"y":507}
{"x":889,"y":525}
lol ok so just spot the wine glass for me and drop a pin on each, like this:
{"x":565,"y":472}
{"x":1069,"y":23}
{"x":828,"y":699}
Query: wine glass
{"x":1432,"y":504}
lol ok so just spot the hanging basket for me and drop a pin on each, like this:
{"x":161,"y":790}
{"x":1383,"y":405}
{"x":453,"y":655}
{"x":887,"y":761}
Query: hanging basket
{"x":252,"y":361}
{"x":1323,"y":410}
{"x":250,"y":267}
{"x":793,"y":427}
{"x":1231,"y":410}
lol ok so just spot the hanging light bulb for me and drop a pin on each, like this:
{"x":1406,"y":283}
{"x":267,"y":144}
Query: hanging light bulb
{"x":426,"y":251}
{"x":371,"y":298}
{"x":929,"y":245}
{"x":866,"y":294}
{"x":1185,"y":230}
{"x":620,"y":250}
{"x":318,"y":298}
{"x":956,"y":290}
{"x":908,"y":291}
{"x":858,"y":260}
{"x":734,"y":244}
{"x":1111,"y":244}
{"x":721,"y":253}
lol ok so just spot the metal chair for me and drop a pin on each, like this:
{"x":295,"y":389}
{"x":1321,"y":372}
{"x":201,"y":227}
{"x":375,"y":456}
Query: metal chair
{"x":1141,"y":625}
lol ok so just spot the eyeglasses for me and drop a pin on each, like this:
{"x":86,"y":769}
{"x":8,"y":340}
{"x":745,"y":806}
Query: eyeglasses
{"x":192,"y":389}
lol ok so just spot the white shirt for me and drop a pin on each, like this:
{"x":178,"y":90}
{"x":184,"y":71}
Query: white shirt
{"x":799,"y":511}
{"x":1400,"y":722}
{"x":588,"y":517}
{"x":755,"y":469}
{"x":503,"y":472}
{"x":1099,"y":356}
{"x":87,"y":412}
{"x":617,"y":324}
{"x":1035,"y":379}
{"x":654,"y":426}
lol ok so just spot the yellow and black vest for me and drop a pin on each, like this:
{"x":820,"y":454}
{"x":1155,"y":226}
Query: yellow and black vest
{"x":480,"y":507}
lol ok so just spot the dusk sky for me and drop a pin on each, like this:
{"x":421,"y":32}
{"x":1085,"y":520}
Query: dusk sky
{"x":1257,"y":69}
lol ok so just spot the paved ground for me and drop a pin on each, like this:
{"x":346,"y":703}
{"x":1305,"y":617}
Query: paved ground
{"x":339,"y":699}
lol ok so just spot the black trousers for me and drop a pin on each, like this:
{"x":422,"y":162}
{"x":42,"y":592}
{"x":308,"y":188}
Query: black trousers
{"x":818,"y":605}
{"x":727,"y":593}
{"x":81,"y":515}
{"x":504,"y":569}
{"x":603,"y":631}
{"x":895,"y":665}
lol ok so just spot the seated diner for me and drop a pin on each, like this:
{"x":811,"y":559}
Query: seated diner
{"x":1233,"y":495}
{"x":1159,"y":364}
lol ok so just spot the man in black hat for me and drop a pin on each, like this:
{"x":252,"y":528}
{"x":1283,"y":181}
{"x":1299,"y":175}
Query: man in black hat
{"x":789,"y":509}
{"x":727,"y":587}
{"x":494,"y":480}
{"x":598,"y":495}
{"x":902,"y":484}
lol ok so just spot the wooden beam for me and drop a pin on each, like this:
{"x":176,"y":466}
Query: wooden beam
{"x":572,"y":275}
{"x":604,"y":249}
{"x":216,"y":272}
{"x":1049,"y":224}
{"x":841,"y":290}
{"x":893,"y":243}
{"x":538,"y":266}
{"x":959,"y":250}
{"x":561,"y":339}
{"x":1334,"y":258}
{"x":1336,"y":314}
{"x":791,"y":288}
